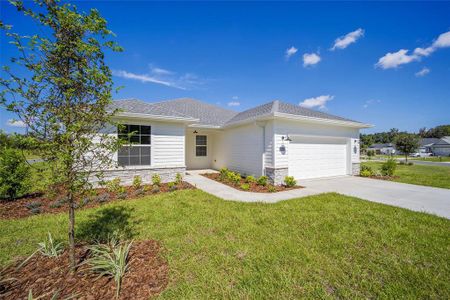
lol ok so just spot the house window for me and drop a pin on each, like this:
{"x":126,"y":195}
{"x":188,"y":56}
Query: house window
{"x":200,"y":145}
{"x":137,"y":148}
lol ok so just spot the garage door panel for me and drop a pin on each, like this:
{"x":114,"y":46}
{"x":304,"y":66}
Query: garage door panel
{"x":309,"y":158}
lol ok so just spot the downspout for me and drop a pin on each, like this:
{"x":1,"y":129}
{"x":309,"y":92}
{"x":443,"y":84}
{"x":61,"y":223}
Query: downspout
{"x":263,"y":126}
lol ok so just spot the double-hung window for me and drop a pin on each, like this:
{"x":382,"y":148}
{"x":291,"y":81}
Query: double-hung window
{"x":136,"y":150}
{"x":201,"y":145}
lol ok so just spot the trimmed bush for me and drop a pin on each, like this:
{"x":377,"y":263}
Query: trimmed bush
{"x":245,"y":186}
{"x":223,"y":175}
{"x":235,"y":177}
{"x":388,"y":167}
{"x":113,"y":186}
{"x":271,"y":189}
{"x":250,"y":179}
{"x":262,"y":180}
{"x":365,"y":173}
{"x":156,"y":179}
{"x":289,"y":181}
{"x":14,"y":174}
{"x":137,"y":182}
{"x":178,"y":178}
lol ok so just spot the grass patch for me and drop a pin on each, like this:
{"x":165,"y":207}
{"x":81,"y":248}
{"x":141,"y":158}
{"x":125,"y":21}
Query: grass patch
{"x":436,"y":176}
{"x":321,"y":246}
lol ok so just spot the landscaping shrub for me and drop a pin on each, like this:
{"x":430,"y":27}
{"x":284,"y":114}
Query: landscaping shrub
{"x":410,"y":163}
{"x":289,"y":181}
{"x":137,"y":182}
{"x":365,"y":173}
{"x":156,"y":179}
{"x":223,"y":174}
{"x":122,"y":193}
{"x":388,"y":167}
{"x":102,"y":198}
{"x":250,"y":179}
{"x":110,"y":259}
{"x":235,"y":178}
{"x":14,"y":174}
{"x":262,"y":180}
{"x":271,"y":189}
{"x":34,"y":204}
{"x":172,"y":186}
{"x":178,"y":178}
{"x":140,"y":191}
{"x":245,"y":186}
{"x":113,"y":186}
{"x":155,"y":189}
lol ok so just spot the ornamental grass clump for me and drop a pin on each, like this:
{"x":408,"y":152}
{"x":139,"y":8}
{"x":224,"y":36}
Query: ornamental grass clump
{"x":111,"y":260}
{"x":388,"y":168}
{"x":178,"y":179}
{"x":50,"y":247}
{"x":113,"y":186}
{"x":137,"y":182}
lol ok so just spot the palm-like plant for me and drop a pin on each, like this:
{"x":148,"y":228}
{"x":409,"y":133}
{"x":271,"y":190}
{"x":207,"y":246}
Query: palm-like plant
{"x":110,"y":259}
{"x":50,"y":248}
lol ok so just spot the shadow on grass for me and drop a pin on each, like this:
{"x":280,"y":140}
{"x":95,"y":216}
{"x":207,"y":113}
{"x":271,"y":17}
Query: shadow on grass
{"x":106,"y":223}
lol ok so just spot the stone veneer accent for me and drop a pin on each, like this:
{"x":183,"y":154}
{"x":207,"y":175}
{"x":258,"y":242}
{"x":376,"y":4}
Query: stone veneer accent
{"x":356,"y":167}
{"x":126,"y":175}
{"x":276,"y":175}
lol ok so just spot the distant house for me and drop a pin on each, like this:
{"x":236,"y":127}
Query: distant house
{"x":441,"y":147}
{"x":387,"y":148}
{"x":426,"y":145}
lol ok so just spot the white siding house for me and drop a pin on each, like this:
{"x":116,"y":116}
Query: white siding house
{"x":275,"y":139}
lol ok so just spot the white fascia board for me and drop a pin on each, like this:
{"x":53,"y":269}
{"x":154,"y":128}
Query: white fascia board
{"x":155,"y":117}
{"x":321,"y":120}
{"x":204,"y":126}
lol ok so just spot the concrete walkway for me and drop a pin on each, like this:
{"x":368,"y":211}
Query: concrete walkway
{"x":414,"y":197}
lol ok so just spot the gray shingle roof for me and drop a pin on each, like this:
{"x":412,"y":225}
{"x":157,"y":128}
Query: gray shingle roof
{"x":282,"y":107}
{"x":428,"y":141}
{"x":213,"y":115}
{"x":208,"y":114}
{"x":142,"y":107}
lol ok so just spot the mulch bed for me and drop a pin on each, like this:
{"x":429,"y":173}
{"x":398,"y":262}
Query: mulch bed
{"x":388,"y":178}
{"x":16,"y":209}
{"x":146,"y":276}
{"x":253,"y":186}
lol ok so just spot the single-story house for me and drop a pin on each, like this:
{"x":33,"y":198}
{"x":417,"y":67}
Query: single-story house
{"x":441,"y":147}
{"x":386,"y":148}
{"x":275,"y":139}
{"x":426,"y":145}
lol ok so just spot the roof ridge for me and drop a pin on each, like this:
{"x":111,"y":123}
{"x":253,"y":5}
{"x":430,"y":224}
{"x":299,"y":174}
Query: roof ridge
{"x":275,"y":106}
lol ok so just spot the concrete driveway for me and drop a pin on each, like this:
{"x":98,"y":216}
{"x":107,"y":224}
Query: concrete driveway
{"x":414,"y":197}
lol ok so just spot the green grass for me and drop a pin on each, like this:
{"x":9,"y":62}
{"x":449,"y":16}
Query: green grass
{"x":436,"y":176}
{"x":432,"y":158}
{"x":324,"y":246}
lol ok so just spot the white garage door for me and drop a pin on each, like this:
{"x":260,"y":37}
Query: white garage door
{"x":317,"y":157}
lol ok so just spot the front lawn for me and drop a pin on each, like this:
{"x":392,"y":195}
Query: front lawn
{"x":436,"y":176}
{"x":321,"y":246}
{"x":432,"y":158}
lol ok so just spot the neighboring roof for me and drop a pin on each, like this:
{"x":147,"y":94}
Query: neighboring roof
{"x":211,"y":115}
{"x":428,"y":141}
{"x":379,"y":146}
{"x":443,"y":141}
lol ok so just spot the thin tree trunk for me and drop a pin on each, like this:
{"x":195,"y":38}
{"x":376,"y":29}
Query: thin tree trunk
{"x":71,"y":232}
{"x":406,"y":157}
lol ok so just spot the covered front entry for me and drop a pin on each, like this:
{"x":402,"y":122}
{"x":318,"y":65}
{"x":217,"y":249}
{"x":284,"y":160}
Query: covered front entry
{"x":314,"y":157}
{"x":199,"y":148}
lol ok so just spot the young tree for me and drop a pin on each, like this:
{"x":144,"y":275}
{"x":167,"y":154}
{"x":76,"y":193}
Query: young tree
{"x":63,"y":97}
{"x":407,"y":143}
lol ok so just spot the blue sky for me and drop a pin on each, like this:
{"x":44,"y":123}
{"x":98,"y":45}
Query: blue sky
{"x":347,"y":59}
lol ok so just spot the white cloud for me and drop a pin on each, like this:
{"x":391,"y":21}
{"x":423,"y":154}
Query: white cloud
{"x":163,"y":77}
{"x":423,"y":72}
{"x":16,"y":123}
{"x":393,"y":60}
{"x":310,"y":59}
{"x":343,"y":42}
{"x":290,"y":51}
{"x":319,"y":101}
{"x":370,"y":102}
{"x":233,"y":103}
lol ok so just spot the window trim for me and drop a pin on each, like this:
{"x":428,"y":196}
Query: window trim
{"x":131,"y":145}
{"x":201,"y":145}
